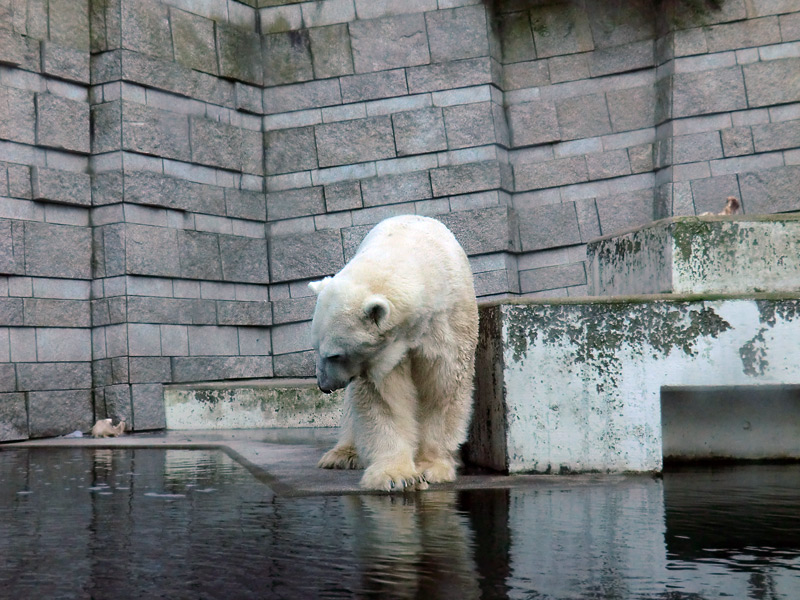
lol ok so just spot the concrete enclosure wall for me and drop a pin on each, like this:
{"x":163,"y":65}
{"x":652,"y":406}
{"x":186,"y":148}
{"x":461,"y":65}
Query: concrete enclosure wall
{"x":172,"y":173}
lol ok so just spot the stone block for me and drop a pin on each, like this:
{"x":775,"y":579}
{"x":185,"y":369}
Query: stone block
{"x":389,"y":43}
{"x":65,"y":63}
{"x":616,"y":25}
{"x":619,"y":59}
{"x":306,"y":256}
{"x":469,"y":125}
{"x":194,"y":41}
{"x":155,"y":131}
{"x":147,"y":250}
{"x":533,"y":123}
{"x":55,"y":413}
{"x":296,"y":364}
{"x":250,"y":314}
{"x":355,"y":141}
{"x":63,"y":345}
{"x":553,"y":173}
{"x":117,"y":400}
{"x":583,"y":117}
{"x":301,"y":96}
{"x":239,"y":54}
{"x":330,"y":51}
{"x":11,"y":312}
{"x":144,"y":339}
{"x":551,"y":278}
{"x":393,"y":189}
{"x":53,"y":376}
{"x":106,"y":130}
{"x":174,"y":342}
{"x":419,"y":131}
{"x":13,"y":418}
{"x":372,"y":86}
{"x":790,"y":26}
{"x":12,"y":249}
{"x":290,"y":150}
{"x":641,"y":158}
{"x":743,"y":34}
{"x":737,"y":141}
{"x":287,"y":57}
{"x":516,"y":38}
{"x":484,"y":231}
{"x":151,"y":309}
{"x":289,"y":204}
{"x":292,"y":337}
{"x":624,"y":211}
{"x":457,"y":33}
{"x":560,"y":29}
{"x":215,"y":368}
{"x":248,"y":98}
{"x":696,"y":147}
{"x":68,"y":23}
{"x":244,"y":204}
{"x":255,"y":341}
{"x":147,"y":401}
{"x":711,"y":194}
{"x":62,"y":123}
{"x":776,"y":136}
{"x":199,"y":254}
{"x":57,"y":251}
{"x":771,"y":190}
{"x":570,"y":67}
{"x":605,"y":165}
{"x":22,"y":344}
{"x":450,"y":75}
{"x":171,"y":192}
{"x":293,"y":310}
{"x":213,"y":341}
{"x":50,"y":312}
{"x":12,"y":47}
{"x":61,"y":186}
{"x":632,"y":108}
{"x":343,"y":195}
{"x":705,"y":92}
{"x":244,"y":259}
{"x":526,"y":75}
{"x":549,"y":226}
{"x":467,"y":178}
{"x":216,"y":144}
{"x":146,"y":28}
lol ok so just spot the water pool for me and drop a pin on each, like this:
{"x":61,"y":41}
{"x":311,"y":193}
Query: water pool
{"x":154,"y":523}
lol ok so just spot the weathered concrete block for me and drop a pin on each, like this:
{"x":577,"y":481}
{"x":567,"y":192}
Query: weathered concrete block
{"x":450,"y":75}
{"x":239,"y":54}
{"x":13,"y":418}
{"x":771,"y":190}
{"x":244,"y":259}
{"x":467,"y":178}
{"x":55,"y":413}
{"x":549,"y":226}
{"x":533,"y":123}
{"x":305,"y":256}
{"x":330,"y":51}
{"x":391,"y":189}
{"x":343,"y":195}
{"x":626,"y":210}
{"x":389,"y":43}
{"x":199,"y":254}
{"x":289,"y":204}
{"x":154,"y":131}
{"x":355,"y":141}
{"x":583,"y":117}
{"x":62,"y":123}
{"x":287,"y":57}
{"x":146,"y":251}
{"x":214,"y":368}
{"x":57,"y":251}
{"x":632,"y":108}
{"x":419,"y":131}
{"x":737,"y":141}
{"x":54,"y":376}
{"x":372,"y":86}
{"x":553,"y":173}
{"x":469,"y":125}
{"x":484,"y":231}
{"x":148,"y":406}
{"x":289,"y":150}
{"x":706,"y":92}
{"x":145,"y":28}
{"x":560,"y":29}
{"x":61,"y":186}
{"x":457,"y":33}
{"x":65,"y":63}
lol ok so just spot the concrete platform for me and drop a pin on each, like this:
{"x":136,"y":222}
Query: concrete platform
{"x":286,"y":459}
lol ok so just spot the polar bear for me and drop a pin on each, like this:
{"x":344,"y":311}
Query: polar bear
{"x":398,"y":325}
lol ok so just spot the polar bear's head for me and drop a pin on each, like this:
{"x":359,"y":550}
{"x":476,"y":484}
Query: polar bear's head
{"x":349,"y":331}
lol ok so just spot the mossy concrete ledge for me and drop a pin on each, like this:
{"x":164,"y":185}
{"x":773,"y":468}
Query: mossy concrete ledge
{"x":251,"y":404}
{"x":577,"y":386}
{"x":699,"y":255}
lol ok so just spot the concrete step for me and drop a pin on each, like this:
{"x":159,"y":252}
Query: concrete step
{"x":699,"y":255}
{"x":247,"y":404}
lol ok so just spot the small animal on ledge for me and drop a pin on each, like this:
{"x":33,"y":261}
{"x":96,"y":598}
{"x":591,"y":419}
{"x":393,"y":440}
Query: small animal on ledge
{"x":731,"y":208}
{"x":103,"y":428}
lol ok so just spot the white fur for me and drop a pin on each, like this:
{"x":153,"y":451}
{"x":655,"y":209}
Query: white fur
{"x":405,"y":306}
{"x":104,"y":428}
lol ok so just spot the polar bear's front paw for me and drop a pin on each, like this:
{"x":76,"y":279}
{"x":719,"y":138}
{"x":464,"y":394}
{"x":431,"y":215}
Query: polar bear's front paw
{"x":393,"y":478}
{"x":437,"y":470}
{"x":340,"y":457}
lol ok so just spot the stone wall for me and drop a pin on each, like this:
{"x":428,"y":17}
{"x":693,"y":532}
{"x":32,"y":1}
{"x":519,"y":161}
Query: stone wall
{"x":174,"y":172}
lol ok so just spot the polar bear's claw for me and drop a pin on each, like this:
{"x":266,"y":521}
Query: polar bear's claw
{"x":393,"y":479}
{"x":340,"y":457}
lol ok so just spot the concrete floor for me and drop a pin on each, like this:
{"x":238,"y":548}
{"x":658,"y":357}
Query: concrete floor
{"x":286,"y":459}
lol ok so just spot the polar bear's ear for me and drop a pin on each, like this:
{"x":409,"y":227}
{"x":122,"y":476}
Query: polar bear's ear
{"x":377,"y":309}
{"x":318,"y":286}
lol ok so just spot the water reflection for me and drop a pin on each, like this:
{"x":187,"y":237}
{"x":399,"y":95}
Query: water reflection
{"x":195,"y":524}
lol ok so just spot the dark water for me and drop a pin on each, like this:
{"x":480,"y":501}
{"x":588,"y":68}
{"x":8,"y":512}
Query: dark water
{"x":195,"y":524}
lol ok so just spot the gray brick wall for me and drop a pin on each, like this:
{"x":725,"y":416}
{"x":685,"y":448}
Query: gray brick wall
{"x":172,"y":174}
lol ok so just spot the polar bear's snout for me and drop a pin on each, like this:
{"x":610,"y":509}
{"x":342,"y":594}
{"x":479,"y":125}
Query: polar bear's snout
{"x":332,"y":374}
